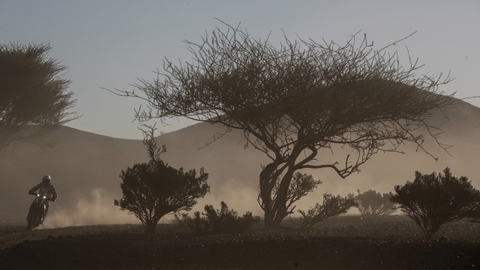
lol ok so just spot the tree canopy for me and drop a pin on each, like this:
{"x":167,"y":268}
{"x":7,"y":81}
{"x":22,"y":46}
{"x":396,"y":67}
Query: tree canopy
{"x":293,"y":100}
{"x":33,"y":94}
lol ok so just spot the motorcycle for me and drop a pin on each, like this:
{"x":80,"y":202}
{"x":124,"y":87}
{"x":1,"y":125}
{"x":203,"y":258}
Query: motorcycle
{"x":36,"y":211}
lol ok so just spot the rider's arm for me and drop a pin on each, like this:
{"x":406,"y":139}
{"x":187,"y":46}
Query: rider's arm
{"x":32,"y":191}
{"x":54,"y":194}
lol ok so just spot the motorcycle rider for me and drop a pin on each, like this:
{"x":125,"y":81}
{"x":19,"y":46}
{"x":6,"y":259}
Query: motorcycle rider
{"x":45,"y":187}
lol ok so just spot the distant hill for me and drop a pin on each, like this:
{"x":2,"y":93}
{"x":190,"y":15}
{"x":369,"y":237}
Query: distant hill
{"x":85,"y":168}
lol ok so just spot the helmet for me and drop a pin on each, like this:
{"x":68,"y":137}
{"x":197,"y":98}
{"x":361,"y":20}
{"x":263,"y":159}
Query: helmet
{"x":46,"y":179}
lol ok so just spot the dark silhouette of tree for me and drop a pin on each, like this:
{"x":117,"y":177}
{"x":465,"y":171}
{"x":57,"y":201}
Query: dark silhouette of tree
{"x":154,"y":189}
{"x":296,"y":102}
{"x":331,"y":206}
{"x":432,"y":200}
{"x":33,"y":94}
{"x":373,"y":203}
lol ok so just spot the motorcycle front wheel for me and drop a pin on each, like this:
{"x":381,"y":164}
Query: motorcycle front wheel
{"x":34,"y":220}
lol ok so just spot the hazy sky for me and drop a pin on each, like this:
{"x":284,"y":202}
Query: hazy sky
{"x":111,"y":44}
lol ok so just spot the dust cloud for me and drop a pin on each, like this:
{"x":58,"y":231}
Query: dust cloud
{"x":95,"y":208}
{"x":85,"y":168}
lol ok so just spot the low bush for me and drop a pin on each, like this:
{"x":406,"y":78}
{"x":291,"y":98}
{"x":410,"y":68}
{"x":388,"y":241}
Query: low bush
{"x":332,"y":206}
{"x":223,"y":221}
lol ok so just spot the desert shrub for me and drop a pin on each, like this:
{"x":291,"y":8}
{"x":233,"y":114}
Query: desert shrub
{"x":154,"y":189}
{"x":432,"y":200}
{"x":331,"y":206}
{"x":374,"y":203}
{"x":194,"y":224}
{"x":223,"y":221}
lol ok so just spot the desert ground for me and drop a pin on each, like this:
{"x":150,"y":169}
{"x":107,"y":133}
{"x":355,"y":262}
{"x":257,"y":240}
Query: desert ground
{"x":345,"y":242}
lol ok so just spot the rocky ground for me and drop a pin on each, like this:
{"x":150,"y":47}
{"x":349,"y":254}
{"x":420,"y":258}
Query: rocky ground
{"x":341,"y":243}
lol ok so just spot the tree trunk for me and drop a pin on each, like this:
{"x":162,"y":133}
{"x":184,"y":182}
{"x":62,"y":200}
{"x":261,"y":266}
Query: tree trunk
{"x":275,"y":210}
{"x":265,"y":193}
{"x":150,"y":227}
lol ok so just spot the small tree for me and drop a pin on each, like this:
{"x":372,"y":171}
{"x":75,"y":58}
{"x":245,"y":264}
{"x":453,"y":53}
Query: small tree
{"x":33,"y":94}
{"x":373,"y":203}
{"x":154,"y":189}
{"x":332,"y":206}
{"x":434,"y":199}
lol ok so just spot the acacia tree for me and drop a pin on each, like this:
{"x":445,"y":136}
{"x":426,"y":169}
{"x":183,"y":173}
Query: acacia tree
{"x":33,"y":94}
{"x":374,"y":203}
{"x":154,"y":189}
{"x":294,"y":100}
{"x":432,"y":200}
